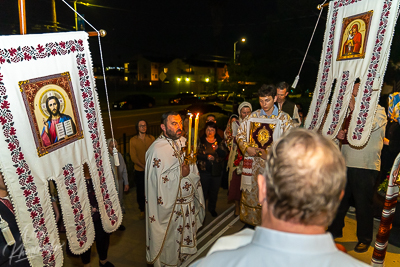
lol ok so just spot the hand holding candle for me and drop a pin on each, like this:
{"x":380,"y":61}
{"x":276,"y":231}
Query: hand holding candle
{"x":190,"y":136}
{"x":196,"y":130}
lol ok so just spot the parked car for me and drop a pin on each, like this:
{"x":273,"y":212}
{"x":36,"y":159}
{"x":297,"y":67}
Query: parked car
{"x":222,"y":95}
{"x":231,"y":103}
{"x":207,"y":96}
{"x":183,"y":98}
{"x":203,"y":109}
{"x":135,"y":102}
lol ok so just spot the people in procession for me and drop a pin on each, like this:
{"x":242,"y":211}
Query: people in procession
{"x":235,"y":160}
{"x":363,"y":166}
{"x":210,"y":157}
{"x":285,"y":104}
{"x":254,"y":138}
{"x":174,"y":197}
{"x":138,"y":145}
{"x":300,"y":191}
{"x":102,"y":238}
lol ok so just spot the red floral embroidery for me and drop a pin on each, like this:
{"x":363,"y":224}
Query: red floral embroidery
{"x":339,"y":103}
{"x":373,"y":66}
{"x":91,"y":116}
{"x":322,"y":94}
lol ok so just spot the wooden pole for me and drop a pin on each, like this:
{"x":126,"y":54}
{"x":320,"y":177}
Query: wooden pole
{"x":54,"y":14}
{"x":102,"y":33}
{"x":22,"y":16}
{"x":319,"y":7}
{"x":76,"y":17}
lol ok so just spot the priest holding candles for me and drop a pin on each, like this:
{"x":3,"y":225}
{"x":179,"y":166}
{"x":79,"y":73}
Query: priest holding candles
{"x":173,"y":193}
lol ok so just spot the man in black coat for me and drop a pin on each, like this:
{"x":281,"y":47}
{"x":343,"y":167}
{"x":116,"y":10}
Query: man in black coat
{"x":285,"y":104}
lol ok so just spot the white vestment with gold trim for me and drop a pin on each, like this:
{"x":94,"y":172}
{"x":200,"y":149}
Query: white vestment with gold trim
{"x":174,"y":204}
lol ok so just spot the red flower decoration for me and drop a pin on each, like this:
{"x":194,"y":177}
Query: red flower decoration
{"x":27,"y":56}
{"x":12,"y":51}
{"x":33,"y":214}
{"x":40,"y":48}
{"x":5,"y":105}
{"x":20,"y":171}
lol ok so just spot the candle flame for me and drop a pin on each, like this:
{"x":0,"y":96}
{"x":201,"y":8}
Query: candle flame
{"x":191,"y":115}
{"x":197,"y":115}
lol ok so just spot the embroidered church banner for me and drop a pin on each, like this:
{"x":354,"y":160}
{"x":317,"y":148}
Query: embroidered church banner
{"x":50,"y":126}
{"x":357,"y":44}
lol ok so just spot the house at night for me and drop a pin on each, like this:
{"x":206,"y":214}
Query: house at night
{"x":176,"y":74}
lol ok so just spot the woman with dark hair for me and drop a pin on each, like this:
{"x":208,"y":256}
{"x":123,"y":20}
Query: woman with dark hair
{"x":210,"y":157}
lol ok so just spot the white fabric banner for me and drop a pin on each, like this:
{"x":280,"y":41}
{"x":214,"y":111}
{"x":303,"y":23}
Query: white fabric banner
{"x":357,"y":44}
{"x":51,"y":125}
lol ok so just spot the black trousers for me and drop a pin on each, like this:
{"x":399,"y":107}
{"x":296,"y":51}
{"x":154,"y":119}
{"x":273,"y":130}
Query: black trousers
{"x":210,"y":185}
{"x":360,"y":188}
{"x":102,"y":242}
{"x":139,"y":180}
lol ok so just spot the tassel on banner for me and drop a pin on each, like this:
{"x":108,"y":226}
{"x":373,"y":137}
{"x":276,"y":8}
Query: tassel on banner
{"x":115,"y":154}
{"x":377,"y":82}
{"x":5,"y":230}
{"x":296,"y":80}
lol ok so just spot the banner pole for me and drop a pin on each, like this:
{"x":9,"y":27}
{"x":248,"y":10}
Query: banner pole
{"x":22,"y":16}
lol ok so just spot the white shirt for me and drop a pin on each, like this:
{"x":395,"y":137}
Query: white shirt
{"x":278,"y":249}
{"x":369,"y":156}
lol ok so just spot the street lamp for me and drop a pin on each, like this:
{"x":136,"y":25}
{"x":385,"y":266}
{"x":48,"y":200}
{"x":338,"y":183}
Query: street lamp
{"x":234,"y":49}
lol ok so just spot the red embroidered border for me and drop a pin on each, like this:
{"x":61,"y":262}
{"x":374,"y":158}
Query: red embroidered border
{"x":328,"y":60}
{"x":339,"y":103}
{"x":26,"y":180}
{"x":373,"y":66}
{"x":90,"y":111}
{"x":72,"y":189}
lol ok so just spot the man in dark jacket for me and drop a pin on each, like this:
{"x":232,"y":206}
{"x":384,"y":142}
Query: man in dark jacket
{"x":285,"y":104}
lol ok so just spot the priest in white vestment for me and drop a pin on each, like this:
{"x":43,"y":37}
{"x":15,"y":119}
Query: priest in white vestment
{"x":174,"y":197}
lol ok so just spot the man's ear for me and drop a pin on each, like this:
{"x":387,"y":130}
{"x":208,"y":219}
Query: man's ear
{"x":162,"y":127}
{"x":262,"y":188}
{"x":275,"y":98}
{"x":341,"y":195}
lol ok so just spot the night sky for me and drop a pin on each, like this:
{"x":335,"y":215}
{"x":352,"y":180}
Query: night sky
{"x":181,"y":28}
{"x":277,"y":32}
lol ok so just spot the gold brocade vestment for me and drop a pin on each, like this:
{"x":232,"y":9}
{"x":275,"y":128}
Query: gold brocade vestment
{"x":260,"y":135}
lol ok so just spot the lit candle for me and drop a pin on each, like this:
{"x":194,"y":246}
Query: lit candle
{"x":196,"y":130}
{"x":190,"y":136}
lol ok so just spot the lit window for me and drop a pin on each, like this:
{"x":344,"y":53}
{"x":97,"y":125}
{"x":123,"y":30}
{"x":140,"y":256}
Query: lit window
{"x":126,"y":78}
{"x":165,"y":70}
{"x":189,"y":70}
